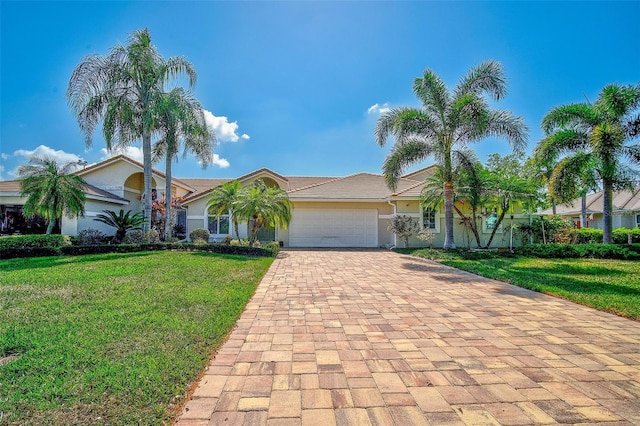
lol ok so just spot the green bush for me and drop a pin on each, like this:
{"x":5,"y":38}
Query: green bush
{"x":600,"y":251}
{"x":138,"y":236}
{"x":34,"y":241}
{"x":15,"y":252}
{"x":199,"y":234}
{"x":588,"y":236}
{"x":621,"y":235}
{"x":227,"y":240}
{"x":90,"y":237}
{"x":273,"y":247}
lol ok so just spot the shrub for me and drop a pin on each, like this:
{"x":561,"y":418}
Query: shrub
{"x":200,"y":242}
{"x":34,"y":241}
{"x":227,"y":240}
{"x":601,"y":251}
{"x":90,"y":237}
{"x":139,"y":237}
{"x":621,"y":235}
{"x":199,"y":234}
{"x":589,"y":236}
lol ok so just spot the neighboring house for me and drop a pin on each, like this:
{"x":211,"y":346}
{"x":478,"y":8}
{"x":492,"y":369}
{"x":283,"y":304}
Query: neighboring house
{"x":349,"y":211}
{"x":626,"y":209}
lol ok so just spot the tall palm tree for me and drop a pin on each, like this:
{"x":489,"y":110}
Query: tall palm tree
{"x":180,"y":118}
{"x":445,"y":125}
{"x":263,"y":206}
{"x":51,"y":190}
{"x":600,"y":136}
{"x":225,"y":199}
{"x":123,"y":89}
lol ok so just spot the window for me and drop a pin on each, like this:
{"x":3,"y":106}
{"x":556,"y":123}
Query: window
{"x":428,"y":218}
{"x":638,"y":220}
{"x":218,"y":224}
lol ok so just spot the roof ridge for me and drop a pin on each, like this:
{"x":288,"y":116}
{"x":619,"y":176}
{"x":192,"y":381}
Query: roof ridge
{"x":418,"y":183}
{"x":313,"y":185}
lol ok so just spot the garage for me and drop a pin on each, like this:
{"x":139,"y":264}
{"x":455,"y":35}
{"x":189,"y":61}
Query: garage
{"x":334,"y":228}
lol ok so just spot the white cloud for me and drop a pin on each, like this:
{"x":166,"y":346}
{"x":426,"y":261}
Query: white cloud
{"x":59,"y":156}
{"x":224,"y":130}
{"x":245,"y":136}
{"x":1,"y":172}
{"x":217,"y":161}
{"x":130,"y":151}
{"x":379,"y":109}
{"x":4,"y":156}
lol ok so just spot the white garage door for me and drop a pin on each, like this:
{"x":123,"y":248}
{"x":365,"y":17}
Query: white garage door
{"x":334,"y":228}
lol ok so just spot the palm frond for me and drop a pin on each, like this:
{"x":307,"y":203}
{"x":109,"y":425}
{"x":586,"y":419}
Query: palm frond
{"x":432,"y":93}
{"x":403,"y":154}
{"x":488,"y":77}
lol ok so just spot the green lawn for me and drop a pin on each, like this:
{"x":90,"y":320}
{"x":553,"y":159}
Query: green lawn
{"x":607,"y":285}
{"x":114,"y":338}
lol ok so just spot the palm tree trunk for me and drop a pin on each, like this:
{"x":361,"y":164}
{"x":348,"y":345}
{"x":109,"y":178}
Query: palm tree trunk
{"x":448,"y":216}
{"x":146,"y":155}
{"x":50,"y":225}
{"x":583,"y":210}
{"x":607,"y":194}
{"x":497,"y":225}
{"x":553,"y":207}
{"x":167,"y":197}
{"x":235,"y":227}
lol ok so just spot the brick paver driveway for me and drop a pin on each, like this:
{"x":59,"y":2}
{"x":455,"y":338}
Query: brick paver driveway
{"x":374,"y":337}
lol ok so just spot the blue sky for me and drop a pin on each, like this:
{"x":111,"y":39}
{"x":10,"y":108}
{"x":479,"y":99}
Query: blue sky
{"x":291,"y":85}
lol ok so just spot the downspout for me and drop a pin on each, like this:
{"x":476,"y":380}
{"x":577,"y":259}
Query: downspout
{"x":395,"y":237}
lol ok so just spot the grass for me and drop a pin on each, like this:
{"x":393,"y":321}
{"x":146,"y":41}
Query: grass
{"x":113,"y":338}
{"x":607,"y":285}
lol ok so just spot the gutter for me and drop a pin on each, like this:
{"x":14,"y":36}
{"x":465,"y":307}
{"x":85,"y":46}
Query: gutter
{"x":395,"y":237}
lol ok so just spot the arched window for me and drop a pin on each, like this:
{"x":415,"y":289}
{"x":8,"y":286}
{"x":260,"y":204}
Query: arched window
{"x":218,"y":225}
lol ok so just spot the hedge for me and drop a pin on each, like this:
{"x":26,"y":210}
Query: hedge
{"x":268,"y":250}
{"x":599,"y":251}
{"x":34,"y":241}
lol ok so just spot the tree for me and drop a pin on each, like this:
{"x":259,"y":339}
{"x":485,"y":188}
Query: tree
{"x":225,"y":199}
{"x":444,"y":127}
{"x":599,"y":136}
{"x":470,"y":188}
{"x":404,"y":227}
{"x":123,"y":89}
{"x":180,"y":119}
{"x":508,"y":188}
{"x":263,"y":206}
{"x":122,"y":221}
{"x":51,"y":190}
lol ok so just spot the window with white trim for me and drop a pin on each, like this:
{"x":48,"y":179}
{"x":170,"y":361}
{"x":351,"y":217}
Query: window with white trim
{"x":638,"y":220}
{"x":428,"y":218}
{"x":218,"y":225}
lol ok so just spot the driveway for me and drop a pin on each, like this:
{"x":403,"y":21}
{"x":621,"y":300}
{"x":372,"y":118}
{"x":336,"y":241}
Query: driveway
{"x":374,"y":337}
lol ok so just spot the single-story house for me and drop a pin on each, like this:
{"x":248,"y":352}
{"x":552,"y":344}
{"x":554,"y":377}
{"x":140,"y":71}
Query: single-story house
{"x":626,"y":209}
{"x":328,"y":211}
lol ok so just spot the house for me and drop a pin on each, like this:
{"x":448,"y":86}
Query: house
{"x":626,"y":209}
{"x":328,"y":211}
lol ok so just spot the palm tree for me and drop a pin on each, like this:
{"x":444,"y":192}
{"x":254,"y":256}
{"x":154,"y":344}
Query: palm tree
{"x":51,"y":190}
{"x":122,"y":221}
{"x":263,"y":206}
{"x":595,"y":136}
{"x":445,"y":125}
{"x":123,"y":89}
{"x":180,"y":118}
{"x":225,"y":199}
{"x":470,"y":188}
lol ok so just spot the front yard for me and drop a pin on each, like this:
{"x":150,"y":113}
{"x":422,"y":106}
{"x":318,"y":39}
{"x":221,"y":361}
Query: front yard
{"x":607,"y":285}
{"x":113,"y":338}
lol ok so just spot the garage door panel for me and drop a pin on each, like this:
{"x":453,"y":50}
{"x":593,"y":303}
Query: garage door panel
{"x":334,"y":228}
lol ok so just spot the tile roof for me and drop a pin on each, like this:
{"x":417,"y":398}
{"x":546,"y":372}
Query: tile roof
{"x":622,"y":200}
{"x":354,"y":187}
{"x":13,"y":186}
